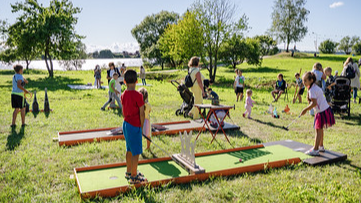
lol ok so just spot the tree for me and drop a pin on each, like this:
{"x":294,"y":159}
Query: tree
{"x":347,"y":42}
{"x":288,"y":20}
{"x":76,"y":59}
{"x":105,"y":54}
{"x":357,"y":48}
{"x":328,"y":46}
{"x":183,"y":40}
{"x":20,"y":44}
{"x":267,"y":43}
{"x":216,"y":19}
{"x":54,"y":28}
{"x":148,"y":32}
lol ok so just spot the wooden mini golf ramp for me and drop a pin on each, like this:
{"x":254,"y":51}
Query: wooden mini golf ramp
{"x":109,"y":180}
{"x":324,"y":158}
{"x":70,"y":138}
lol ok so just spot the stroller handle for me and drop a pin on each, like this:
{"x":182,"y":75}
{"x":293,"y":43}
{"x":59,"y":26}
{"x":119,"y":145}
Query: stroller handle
{"x":175,"y":83}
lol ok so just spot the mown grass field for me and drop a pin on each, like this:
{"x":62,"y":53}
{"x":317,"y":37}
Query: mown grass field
{"x":33,"y":168}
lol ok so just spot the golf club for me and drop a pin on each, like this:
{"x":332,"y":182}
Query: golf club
{"x":286,"y":128}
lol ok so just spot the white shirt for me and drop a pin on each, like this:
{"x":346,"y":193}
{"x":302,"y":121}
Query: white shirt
{"x":318,"y":74}
{"x":239,"y":81}
{"x":315,"y":92}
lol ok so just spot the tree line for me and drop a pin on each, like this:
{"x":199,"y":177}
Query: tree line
{"x":208,"y":29}
{"x":347,"y":44}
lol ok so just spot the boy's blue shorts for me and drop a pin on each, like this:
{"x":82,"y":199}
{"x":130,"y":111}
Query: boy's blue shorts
{"x":133,"y":138}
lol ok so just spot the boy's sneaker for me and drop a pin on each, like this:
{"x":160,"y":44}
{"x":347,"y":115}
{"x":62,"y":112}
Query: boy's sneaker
{"x":312,"y":152}
{"x":321,"y":149}
{"x":103,"y":109}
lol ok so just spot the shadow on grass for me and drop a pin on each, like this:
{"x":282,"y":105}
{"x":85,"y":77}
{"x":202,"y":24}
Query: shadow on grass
{"x":52,"y":84}
{"x":269,"y":124}
{"x":348,"y":162}
{"x":14,"y":138}
{"x":353,"y":117}
{"x":238,"y":133}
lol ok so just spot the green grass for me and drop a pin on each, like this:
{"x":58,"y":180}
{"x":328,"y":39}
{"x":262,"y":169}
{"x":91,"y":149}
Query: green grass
{"x":33,"y":168}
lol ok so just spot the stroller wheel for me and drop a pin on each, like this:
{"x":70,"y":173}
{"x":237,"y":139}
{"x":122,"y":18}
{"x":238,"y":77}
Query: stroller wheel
{"x":178,"y":112}
{"x":185,"y":114}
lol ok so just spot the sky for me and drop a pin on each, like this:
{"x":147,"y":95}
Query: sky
{"x":108,"y":23}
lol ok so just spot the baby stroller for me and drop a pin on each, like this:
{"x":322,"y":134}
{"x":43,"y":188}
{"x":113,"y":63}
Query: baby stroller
{"x":340,"y":102}
{"x":188,"y":99}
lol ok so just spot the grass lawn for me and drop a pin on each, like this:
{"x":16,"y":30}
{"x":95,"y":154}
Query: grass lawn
{"x":33,"y":168}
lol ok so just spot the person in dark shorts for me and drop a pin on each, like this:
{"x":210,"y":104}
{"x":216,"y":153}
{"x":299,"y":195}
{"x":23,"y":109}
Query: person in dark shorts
{"x":17,"y":95}
{"x":301,"y":87}
{"x":280,"y":87}
{"x":239,"y":85}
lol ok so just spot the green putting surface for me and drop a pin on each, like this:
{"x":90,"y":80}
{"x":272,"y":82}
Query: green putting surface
{"x":114,"y":177}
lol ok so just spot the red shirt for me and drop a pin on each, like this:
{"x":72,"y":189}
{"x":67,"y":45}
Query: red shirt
{"x":132,"y":100}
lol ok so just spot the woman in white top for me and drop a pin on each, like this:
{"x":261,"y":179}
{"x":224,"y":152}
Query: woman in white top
{"x":197,"y":88}
{"x":355,"y":82}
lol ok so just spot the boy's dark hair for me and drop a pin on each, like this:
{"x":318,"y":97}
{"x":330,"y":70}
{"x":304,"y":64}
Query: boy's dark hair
{"x":297,"y":74}
{"x":280,"y":75}
{"x":111,"y":64}
{"x":130,"y":76}
{"x":240,"y":71}
{"x":17,"y":68}
{"x":209,"y":89}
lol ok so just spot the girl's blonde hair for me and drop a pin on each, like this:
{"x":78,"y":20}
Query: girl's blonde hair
{"x":144,"y":92}
{"x":317,"y":66}
{"x":249,"y":92}
{"x":348,"y":60}
{"x":194,"y":62}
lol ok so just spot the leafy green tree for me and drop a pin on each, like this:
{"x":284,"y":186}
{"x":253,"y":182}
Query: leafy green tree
{"x":183,"y":40}
{"x":328,"y":46}
{"x":54,"y":28}
{"x":267,"y":43}
{"x":253,"y":52}
{"x":233,"y":50}
{"x":357,"y":48}
{"x":148,"y":32}
{"x":76,"y":58}
{"x":216,"y":19}
{"x":347,"y":43}
{"x":105,"y":54}
{"x":288,"y":20}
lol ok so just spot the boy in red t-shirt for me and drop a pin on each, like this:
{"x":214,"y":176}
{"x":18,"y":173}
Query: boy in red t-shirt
{"x":133,"y":112}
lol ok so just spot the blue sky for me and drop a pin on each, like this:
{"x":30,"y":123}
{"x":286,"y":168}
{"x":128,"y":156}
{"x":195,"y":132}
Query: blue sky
{"x":105,"y":22}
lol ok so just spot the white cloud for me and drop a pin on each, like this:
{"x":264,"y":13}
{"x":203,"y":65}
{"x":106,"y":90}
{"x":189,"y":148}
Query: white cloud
{"x":336,"y":4}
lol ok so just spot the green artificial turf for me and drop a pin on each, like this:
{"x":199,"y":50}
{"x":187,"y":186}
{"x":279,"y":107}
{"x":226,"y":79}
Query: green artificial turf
{"x":114,"y":177}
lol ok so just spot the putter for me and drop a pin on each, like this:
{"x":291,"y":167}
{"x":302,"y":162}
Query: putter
{"x":286,"y":128}
{"x":160,"y":148}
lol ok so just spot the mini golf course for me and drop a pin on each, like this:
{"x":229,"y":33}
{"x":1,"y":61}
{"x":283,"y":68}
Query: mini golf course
{"x":109,"y":180}
{"x":70,"y":138}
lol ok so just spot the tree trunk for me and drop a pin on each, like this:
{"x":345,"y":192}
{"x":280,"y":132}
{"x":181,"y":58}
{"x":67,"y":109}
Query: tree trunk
{"x":215,"y":68}
{"x":210,"y":69}
{"x":162,"y":65}
{"x":27,"y":64}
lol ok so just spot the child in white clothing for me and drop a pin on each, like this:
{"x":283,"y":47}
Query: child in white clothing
{"x":324,"y":116}
{"x":249,"y":104}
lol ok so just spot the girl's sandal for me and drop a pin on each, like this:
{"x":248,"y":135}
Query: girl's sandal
{"x":128,"y":175}
{"x":137,"y":180}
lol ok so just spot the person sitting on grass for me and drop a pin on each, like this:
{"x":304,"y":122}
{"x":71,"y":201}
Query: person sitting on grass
{"x":133,"y":112}
{"x":301,"y":88}
{"x":112,"y":92}
{"x":212,"y":95}
{"x":17,"y":95}
{"x":280,"y":87}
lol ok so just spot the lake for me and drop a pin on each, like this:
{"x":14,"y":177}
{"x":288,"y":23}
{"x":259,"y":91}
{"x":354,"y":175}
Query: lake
{"x":88,"y":65}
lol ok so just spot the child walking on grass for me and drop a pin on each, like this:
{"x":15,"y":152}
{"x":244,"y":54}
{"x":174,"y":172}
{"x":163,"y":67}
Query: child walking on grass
{"x":324,"y":115}
{"x":301,"y":88}
{"x":239,"y":85}
{"x":249,"y":104}
{"x":133,"y":112}
{"x":147,"y":109}
{"x":17,"y":95}
{"x":112,"y":92}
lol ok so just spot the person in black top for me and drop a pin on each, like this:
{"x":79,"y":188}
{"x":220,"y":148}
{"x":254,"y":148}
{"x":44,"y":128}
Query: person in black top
{"x":280,"y":87}
{"x":111,"y":70}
